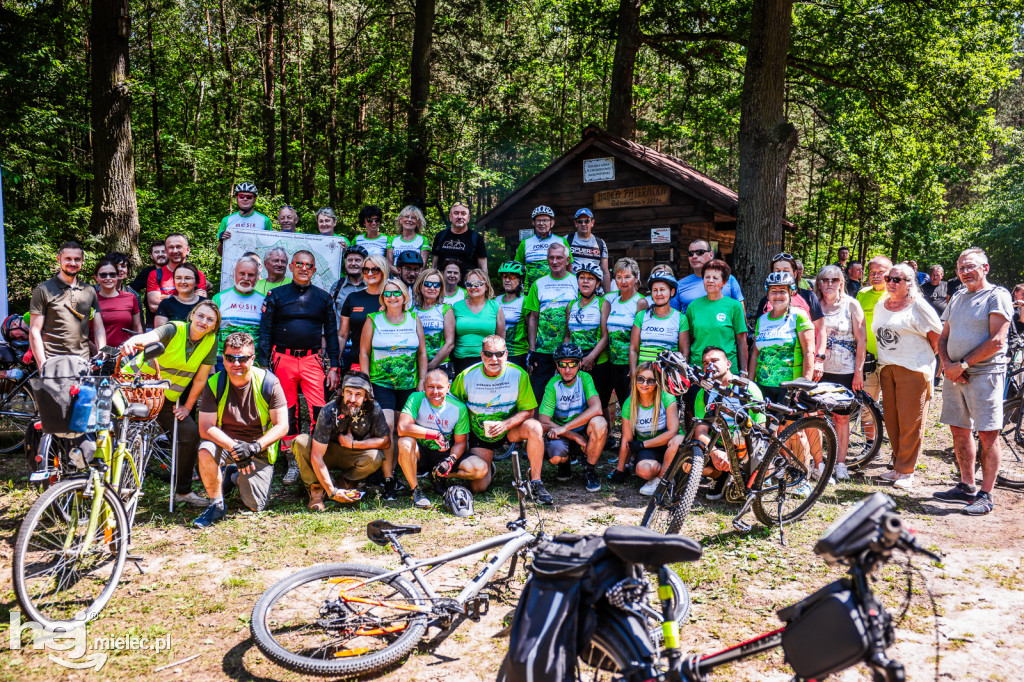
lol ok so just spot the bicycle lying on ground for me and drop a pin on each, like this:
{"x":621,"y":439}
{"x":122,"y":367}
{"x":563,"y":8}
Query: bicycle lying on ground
{"x":774,"y":468}
{"x":73,"y":543}
{"x":837,"y":627}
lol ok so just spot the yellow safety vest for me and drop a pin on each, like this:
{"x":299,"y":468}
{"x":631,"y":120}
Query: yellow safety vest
{"x":174,"y":366}
{"x":218,"y":383}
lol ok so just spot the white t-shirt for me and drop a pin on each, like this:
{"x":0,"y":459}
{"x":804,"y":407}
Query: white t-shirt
{"x":902,"y":336}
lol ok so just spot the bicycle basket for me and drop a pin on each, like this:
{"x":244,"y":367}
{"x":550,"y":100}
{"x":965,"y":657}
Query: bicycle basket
{"x":151,"y":396}
{"x":834,"y":398}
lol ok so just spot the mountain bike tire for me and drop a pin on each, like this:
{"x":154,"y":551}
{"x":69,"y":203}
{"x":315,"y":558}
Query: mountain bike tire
{"x":85,"y":580}
{"x":287,"y":621}
{"x":616,"y":651}
{"x":671,"y":502}
{"x":21,"y":405}
{"x":862,"y":450}
{"x":774,"y":477}
{"x":1011,"y":465}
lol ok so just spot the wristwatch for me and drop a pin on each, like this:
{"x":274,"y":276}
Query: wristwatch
{"x":964,"y":366}
{"x":820,"y":356}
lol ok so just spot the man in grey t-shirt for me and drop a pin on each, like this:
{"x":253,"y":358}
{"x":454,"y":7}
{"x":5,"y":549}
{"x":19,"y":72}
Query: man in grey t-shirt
{"x":586,"y":247}
{"x":972,"y":354}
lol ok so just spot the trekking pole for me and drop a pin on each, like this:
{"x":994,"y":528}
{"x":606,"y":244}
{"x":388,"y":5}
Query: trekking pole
{"x":174,"y":457}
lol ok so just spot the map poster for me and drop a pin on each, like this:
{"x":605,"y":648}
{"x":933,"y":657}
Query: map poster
{"x":327,"y":250}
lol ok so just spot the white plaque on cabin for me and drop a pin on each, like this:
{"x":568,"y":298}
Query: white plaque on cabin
{"x":525,"y":234}
{"x":661,"y":235}
{"x":599,"y":170}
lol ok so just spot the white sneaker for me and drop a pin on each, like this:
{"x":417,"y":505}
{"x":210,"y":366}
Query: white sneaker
{"x":801,"y":491}
{"x":904,"y":481}
{"x":818,"y":470}
{"x":192,"y":499}
{"x":890,"y":475}
{"x":841,"y":473}
{"x":651,"y":486}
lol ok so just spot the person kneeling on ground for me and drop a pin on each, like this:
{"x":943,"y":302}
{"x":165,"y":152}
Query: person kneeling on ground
{"x":432,"y":430}
{"x":650,"y":430}
{"x":717,"y":364}
{"x":570,"y":415}
{"x":351,"y":434}
{"x":500,"y":403}
{"x":243,"y":413}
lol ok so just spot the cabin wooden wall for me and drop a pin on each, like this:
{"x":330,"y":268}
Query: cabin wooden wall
{"x":627,"y":231}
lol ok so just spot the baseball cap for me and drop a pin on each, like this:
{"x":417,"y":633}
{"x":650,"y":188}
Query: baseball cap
{"x":584,"y":211}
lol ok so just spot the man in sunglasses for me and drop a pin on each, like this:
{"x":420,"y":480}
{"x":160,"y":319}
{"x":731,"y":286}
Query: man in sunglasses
{"x":586,"y":247}
{"x":243,"y":413}
{"x":297,"y":318}
{"x":246,"y":217}
{"x":501,"y":404}
{"x":691,"y":287}
{"x":570,"y":416}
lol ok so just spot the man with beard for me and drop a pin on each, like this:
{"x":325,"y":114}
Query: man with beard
{"x":409,"y":265}
{"x":351,"y":435}
{"x":533,"y":251}
{"x":240,"y":305}
{"x":160,"y":284}
{"x":158,"y":259}
{"x":351,"y":282}
{"x":459,"y":242}
{"x":61,"y":309}
{"x":276,"y":263}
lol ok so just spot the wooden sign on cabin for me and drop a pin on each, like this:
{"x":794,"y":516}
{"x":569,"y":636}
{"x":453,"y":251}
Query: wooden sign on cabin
{"x":628,"y":197}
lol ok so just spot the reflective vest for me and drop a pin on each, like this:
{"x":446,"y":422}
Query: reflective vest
{"x":174,"y":366}
{"x":262,"y":389}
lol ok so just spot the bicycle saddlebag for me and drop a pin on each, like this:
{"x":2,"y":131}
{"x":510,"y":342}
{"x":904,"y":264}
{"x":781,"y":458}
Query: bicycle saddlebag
{"x":555,"y":617}
{"x":825,"y":633}
{"x":833,"y":398}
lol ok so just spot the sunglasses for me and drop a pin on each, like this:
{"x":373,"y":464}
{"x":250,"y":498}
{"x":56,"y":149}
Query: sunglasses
{"x":106,"y":275}
{"x":237,"y":359}
{"x":697,"y":252}
{"x":494,"y":353}
{"x":830,"y":280}
{"x":895,"y":280}
{"x":372,"y":220}
{"x":568,"y":363}
{"x":244,"y":195}
{"x":783,"y":256}
{"x":304,"y":266}
{"x":431,"y":285}
{"x":646,"y":381}
{"x":391,"y":293}
{"x":371,"y":271}
{"x":474,"y":285}
{"x":584,"y":220}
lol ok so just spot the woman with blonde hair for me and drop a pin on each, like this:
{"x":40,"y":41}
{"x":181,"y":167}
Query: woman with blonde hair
{"x":436,"y":317}
{"x":358,"y":305}
{"x":408,"y":226}
{"x":477,"y":316}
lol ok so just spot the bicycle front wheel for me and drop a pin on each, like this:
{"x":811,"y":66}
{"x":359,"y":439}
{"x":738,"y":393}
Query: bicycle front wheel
{"x":671,"y":502}
{"x":785,"y":488}
{"x":63,"y":574}
{"x":866,"y":429}
{"x":327,"y":620}
{"x":1011,"y":466}
{"x":17,"y":410}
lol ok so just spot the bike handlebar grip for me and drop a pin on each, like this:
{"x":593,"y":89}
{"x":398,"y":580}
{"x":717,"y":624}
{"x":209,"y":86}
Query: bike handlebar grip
{"x":892,"y":528}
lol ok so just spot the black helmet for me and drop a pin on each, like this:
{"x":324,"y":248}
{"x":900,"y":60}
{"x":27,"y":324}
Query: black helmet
{"x":356,"y":249}
{"x":408,"y":258}
{"x":590,"y":269}
{"x":567,"y":351}
{"x":780,"y":279}
{"x":246,"y":187}
{"x":661,"y":276}
{"x":673,"y":372}
{"x":9,"y":323}
{"x":458,"y":500}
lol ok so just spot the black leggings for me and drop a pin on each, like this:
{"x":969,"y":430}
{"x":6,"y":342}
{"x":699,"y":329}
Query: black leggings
{"x":188,"y":445}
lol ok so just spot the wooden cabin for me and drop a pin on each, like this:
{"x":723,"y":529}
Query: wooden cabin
{"x":647,"y":205}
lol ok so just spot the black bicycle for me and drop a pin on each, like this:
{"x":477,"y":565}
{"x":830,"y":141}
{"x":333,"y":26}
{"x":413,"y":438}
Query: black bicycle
{"x":839,"y":626}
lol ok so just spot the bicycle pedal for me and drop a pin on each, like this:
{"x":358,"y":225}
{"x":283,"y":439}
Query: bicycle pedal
{"x":477,"y":607}
{"x":741,"y":526}
{"x":137,"y":561}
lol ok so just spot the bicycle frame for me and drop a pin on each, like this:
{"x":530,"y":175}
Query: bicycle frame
{"x":5,"y":399}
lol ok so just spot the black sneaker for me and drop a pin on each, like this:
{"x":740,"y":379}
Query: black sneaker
{"x":420,"y":499}
{"x":961,"y":492}
{"x":981,"y":505}
{"x":612,"y":444}
{"x":564,"y":472}
{"x":617,"y":477}
{"x":541,"y":493}
{"x":591,"y":480}
{"x":211,"y":515}
{"x":390,"y":490}
{"x":227,"y":485}
{"x":718,"y":487}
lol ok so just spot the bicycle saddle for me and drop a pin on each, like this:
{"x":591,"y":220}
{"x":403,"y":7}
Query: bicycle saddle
{"x":805,"y":384}
{"x":138,"y":410}
{"x":379,"y":530}
{"x":636,"y":545}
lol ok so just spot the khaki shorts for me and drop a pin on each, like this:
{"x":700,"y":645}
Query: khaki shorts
{"x":976,"y":405}
{"x":253,"y":487}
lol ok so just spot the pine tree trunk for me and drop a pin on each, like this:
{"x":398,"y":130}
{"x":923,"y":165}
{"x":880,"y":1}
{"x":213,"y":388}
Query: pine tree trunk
{"x":283,"y":86}
{"x":332,"y":114}
{"x":419,"y":92}
{"x":766,"y":141}
{"x":620,"y":120}
{"x":115,"y":213}
{"x":157,"y":154}
{"x":269,"y":179}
